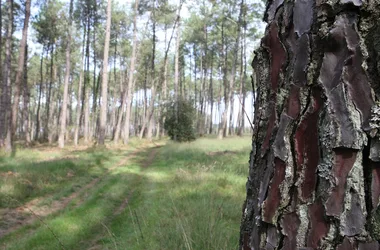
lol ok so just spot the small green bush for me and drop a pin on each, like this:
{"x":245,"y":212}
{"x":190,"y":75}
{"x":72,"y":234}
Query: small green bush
{"x":180,"y":127}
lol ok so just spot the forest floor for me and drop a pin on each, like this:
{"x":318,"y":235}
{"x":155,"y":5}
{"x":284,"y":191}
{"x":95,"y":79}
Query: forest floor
{"x":159,"y":195}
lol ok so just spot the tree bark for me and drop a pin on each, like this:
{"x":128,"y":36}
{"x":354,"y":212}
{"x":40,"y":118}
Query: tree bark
{"x":116,"y":135}
{"x":176,"y":68}
{"x":211,"y":94}
{"x":26,"y":98}
{"x":38,"y":118}
{"x":20,"y":69}
{"x":150,"y":126}
{"x":131,"y":74}
{"x":164,"y":71}
{"x":314,"y":166}
{"x":244,"y":73}
{"x":222,"y":132}
{"x":5,"y":103}
{"x":79,"y":98}
{"x":53,"y":104}
{"x":86,"y":92}
{"x":103,"y":108}
{"x":49,"y":93}
{"x":61,"y":140}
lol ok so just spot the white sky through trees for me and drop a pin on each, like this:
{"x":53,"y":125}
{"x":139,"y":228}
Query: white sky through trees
{"x":35,"y":48}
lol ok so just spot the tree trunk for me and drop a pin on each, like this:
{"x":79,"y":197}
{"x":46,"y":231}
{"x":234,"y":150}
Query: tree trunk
{"x":61,"y":140}
{"x":232,"y":110}
{"x":116,"y":134}
{"x":195,"y":78}
{"x":176,"y":69}
{"x":86,"y":92}
{"x":149,"y":133}
{"x":20,"y":69}
{"x":38,"y":118}
{"x":223,"y":121}
{"x":79,"y":98}
{"x":48,"y":105}
{"x":5,"y":103}
{"x":150,"y":120}
{"x":53,"y":105}
{"x":211,"y":93}
{"x":314,"y":167}
{"x":164,"y":87}
{"x":130,"y":80}
{"x":244,"y":76}
{"x":26,"y":98}
{"x":103,"y":108}
{"x":165,"y":70}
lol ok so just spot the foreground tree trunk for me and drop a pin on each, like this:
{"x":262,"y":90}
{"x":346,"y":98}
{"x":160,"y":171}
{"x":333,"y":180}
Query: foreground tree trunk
{"x":314,"y":177}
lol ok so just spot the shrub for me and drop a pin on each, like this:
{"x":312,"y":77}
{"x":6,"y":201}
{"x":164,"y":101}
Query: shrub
{"x":180,"y":128}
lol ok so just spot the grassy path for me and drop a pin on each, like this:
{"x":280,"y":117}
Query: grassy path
{"x":173,"y":196}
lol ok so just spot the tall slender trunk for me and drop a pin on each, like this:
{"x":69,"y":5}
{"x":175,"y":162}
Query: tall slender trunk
{"x":149,"y":133}
{"x":37,"y":132}
{"x":223,"y":121}
{"x":165,"y":71}
{"x":145,"y":102}
{"x":136,"y":114}
{"x":95,"y":84}
{"x":150,"y":113}
{"x":244,"y":78}
{"x":26,"y":98}
{"x":211,"y":93}
{"x":232,"y":110}
{"x":5,"y":105}
{"x":79,"y":98}
{"x":114,"y":94}
{"x":48,"y":104}
{"x":103,"y":108}
{"x":176,"y":69}
{"x":201,"y":90}
{"x":195,"y":77}
{"x":69,"y":115}
{"x":131,"y":74}
{"x":61,"y":140}
{"x":86,"y":91}
{"x":164,"y":87}
{"x":121,"y":111}
{"x":20,"y":69}
{"x":158,"y":123}
{"x":53,"y":104}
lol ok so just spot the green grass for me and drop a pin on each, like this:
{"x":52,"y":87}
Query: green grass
{"x":188,"y":196}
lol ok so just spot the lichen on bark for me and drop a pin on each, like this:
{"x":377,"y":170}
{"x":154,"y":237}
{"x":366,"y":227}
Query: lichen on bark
{"x":314,"y":173}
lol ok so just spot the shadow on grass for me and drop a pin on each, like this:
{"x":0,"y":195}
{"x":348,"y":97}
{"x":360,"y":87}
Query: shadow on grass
{"x":187,"y":198}
{"x":78,"y":226}
{"x":191,"y":200}
{"x":23,"y":179}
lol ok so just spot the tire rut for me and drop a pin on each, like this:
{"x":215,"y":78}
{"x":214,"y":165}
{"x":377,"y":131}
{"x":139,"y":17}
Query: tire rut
{"x":27,"y":214}
{"x":144,"y":164}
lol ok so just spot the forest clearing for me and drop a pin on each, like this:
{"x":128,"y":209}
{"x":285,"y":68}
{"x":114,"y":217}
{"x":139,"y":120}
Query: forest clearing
{"x":159,"y":195}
